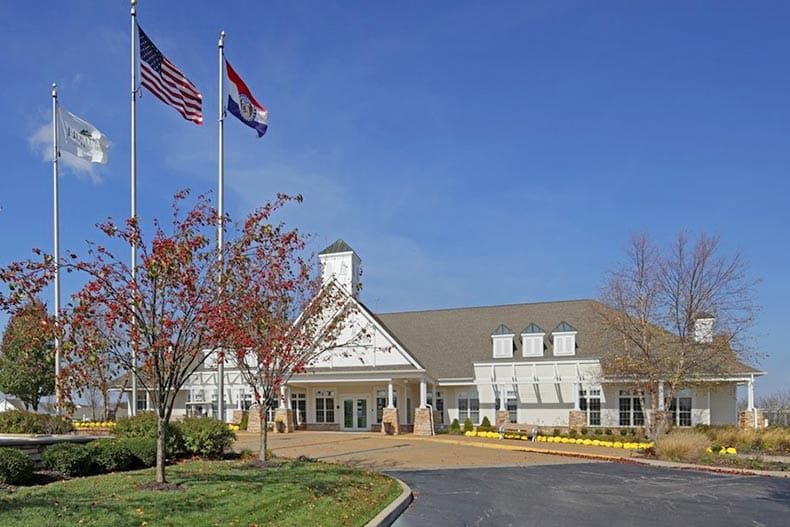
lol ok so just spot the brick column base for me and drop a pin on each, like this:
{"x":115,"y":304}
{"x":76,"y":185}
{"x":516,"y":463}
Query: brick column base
{"x":746,"y":419}
{"x":577,"y":419}
{"x":283,"y":421}
{"x":502,"y":418}
{"x":422,"y":422}
{"x":254,"y":421}
{"x":390,"y":424}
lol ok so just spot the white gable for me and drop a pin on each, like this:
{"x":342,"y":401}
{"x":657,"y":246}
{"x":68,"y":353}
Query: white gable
{"x":364,"y":342}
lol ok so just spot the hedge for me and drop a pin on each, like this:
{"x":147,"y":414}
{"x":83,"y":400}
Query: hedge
{"x":112,"y":455}
{"x":22,"y":422}
{"x":204,"y":436}
{"x":145,"y":425}
{"x":71,"y":459}
{"x":16,"y":467}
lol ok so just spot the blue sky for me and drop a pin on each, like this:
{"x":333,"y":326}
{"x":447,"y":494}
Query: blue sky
{"x":472,"y":153}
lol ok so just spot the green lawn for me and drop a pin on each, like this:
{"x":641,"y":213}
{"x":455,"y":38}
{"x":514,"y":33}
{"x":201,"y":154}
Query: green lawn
{"x":214,"y":493}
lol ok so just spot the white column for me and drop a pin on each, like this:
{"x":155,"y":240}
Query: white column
{"x":502,"y":398}
{"x":147,"y":400}
{"x":750,"y":395}
{"x":661,"y":396}
{"x":288,"y":398}
{"x":282,"y":397}
{"x":576,"y":403}
{"x":390,"y":396}
{"x":423,"y":393}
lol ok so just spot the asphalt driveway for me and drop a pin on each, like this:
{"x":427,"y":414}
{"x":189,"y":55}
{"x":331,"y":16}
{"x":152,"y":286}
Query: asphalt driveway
{"x":608,"y":494}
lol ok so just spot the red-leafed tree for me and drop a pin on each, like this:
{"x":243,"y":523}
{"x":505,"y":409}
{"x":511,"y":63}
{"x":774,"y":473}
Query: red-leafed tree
{"x":159,"y":321}
{"x":168,"y":312}
{"x":282,"y":318}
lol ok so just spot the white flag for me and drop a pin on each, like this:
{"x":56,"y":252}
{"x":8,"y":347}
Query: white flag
{"x":81,"y":138}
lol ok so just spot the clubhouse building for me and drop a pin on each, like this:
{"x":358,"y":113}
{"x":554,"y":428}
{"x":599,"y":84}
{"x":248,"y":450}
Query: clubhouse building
{"x":524,"y":365}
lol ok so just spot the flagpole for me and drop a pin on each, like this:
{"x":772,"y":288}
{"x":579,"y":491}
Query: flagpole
{"x":133,"y":170}
{"x":220,"y":215}
{"x":56,"y":236}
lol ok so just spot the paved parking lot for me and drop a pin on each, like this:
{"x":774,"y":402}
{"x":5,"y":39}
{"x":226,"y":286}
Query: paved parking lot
{"x":609,"y":494}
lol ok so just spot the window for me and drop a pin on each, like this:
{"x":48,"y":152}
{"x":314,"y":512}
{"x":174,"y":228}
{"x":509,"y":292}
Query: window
{"x":680,"y":411}
{"x":590,"y":403}
{"x":324,"y":406}
{"x":440,"y":406}
{"x":533,"y":345}
{"x":469,"y":406}
{"x":631,"y":410}
{"x":142,"y":403}
{"x":510,"y":404}
{"x":503,"y":342}
{"x":299,"y":407}
{"x":245,"y":401}
{"x":564,"y":339}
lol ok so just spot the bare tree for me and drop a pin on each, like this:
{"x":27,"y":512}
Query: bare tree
{"x":660,"y":310}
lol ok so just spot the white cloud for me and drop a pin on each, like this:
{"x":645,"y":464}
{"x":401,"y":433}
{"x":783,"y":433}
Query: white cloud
{"x":40,"y":142}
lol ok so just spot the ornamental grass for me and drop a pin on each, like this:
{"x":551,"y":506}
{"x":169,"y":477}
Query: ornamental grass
{"x":687,"y":446}
{"x":772,"y":440}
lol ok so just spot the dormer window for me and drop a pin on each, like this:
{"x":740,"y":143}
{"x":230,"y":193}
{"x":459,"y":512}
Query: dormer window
{"x":564,"y":339}
{"x":502,"y":338}
{"x":532,"y":341}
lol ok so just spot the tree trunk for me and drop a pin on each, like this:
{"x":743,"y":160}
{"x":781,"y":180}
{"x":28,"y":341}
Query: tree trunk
{"x":161,"y":438}
{"x":264,"y":454}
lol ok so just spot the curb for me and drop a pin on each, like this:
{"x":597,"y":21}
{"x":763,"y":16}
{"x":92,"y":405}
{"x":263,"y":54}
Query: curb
{"x":386,"y":517}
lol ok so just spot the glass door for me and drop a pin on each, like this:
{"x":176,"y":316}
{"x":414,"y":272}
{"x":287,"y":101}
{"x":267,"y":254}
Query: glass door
{"x":355,"y":413}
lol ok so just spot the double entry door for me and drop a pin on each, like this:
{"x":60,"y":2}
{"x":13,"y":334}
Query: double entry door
{"x":355,"y":413}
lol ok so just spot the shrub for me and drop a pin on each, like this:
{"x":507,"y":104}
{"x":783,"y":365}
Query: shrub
{"x":455,"y":427}
{"x":205,"y":436}
{"x":485,"y":425}
{"x":555,"y":432}
{"x":598,"y":432}
{"x":573,"y":433}
{"x":21,"y":422}
{"x":623,"y":432}
{"x":245,"y":420}
{"x":111,"y":455}
{"x":682,"y":445}
{"x":468,"y":427}
{"x":71,"y":459}
{"x":584,"y":431}
{"x":16,"y":467}
{"x":145,"y":425}
{"x":143,"y":450}
{"x":608,"y":432}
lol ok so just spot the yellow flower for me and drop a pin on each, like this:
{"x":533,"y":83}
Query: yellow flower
{"x":731,"y":450}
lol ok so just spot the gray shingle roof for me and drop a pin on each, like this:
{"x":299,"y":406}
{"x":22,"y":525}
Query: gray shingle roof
{"x":338,"y":247}
{"x":446,"y":342}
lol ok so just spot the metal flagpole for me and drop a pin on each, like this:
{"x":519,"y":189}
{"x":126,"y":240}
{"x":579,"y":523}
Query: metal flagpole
{"x":56,"y":236}
{"x":133,"y":404}
{"x":220,"y":214}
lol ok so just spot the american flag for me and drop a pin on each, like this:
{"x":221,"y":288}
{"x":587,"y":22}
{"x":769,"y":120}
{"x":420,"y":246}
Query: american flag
{"x":167,"y":82}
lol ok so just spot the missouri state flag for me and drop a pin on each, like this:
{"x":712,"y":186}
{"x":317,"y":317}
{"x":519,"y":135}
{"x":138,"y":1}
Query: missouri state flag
{"x":243,"y":105}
